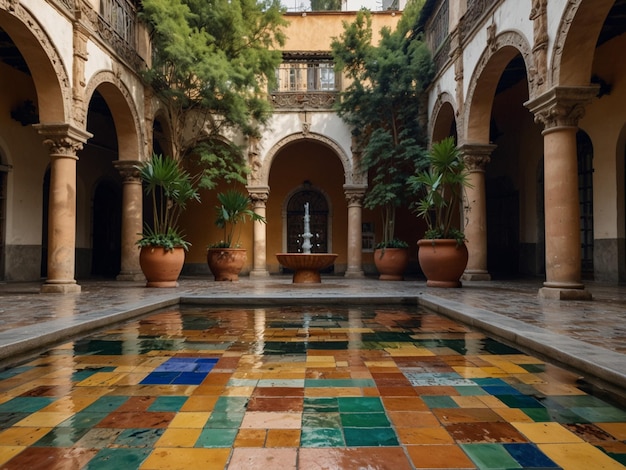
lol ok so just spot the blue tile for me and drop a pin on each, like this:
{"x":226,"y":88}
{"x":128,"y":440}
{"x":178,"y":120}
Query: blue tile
{"x":529,"y":456}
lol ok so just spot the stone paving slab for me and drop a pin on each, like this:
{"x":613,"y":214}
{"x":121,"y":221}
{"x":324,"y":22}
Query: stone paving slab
{"x":589,"y":337}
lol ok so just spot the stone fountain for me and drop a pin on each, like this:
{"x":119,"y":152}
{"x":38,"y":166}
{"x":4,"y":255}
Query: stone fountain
{"x":306,"y":265}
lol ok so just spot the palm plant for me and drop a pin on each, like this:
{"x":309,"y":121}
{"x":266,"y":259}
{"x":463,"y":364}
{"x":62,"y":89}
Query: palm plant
{"x":170,"y":188}
{"x":442,"y":185}
{"x":233,"y":208}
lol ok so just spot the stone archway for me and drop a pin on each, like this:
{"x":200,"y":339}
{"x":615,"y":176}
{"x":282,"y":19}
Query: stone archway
{"x":443,"y":122}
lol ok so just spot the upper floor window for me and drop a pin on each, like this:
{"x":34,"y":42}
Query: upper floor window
{"x":306,"y":72}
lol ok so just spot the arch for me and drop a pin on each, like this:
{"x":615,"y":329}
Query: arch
{"x":162,"y":136}
{"x":125,"y":116}
{"x":261,"y":169}
{"x":106,"y":250}
{"x":485,"y":79}
{"x":443,"y":122}
{"x":48,"y":72}
{"x":575,"y":42}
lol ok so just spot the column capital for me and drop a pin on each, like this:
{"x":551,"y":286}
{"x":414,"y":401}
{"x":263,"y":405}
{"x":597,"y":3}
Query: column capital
{"x":129,"y":169}
{"x":561,"y":106}
{"x":354,"y":194}
{"x":476,"y":156}
{"x":258,"y":194}
{"x":63,"y":139}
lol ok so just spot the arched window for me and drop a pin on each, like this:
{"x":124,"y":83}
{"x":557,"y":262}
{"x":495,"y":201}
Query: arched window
{"x":318,"y":210}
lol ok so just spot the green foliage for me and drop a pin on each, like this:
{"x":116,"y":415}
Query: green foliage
{"x":325,"y":5}
{"x":170,"y":188}
{"x":394,"y":243}
{"x":442,"y":186}
{"x":384,"y":105}
{"x":212,"y":61}
{"x":234,"y":208}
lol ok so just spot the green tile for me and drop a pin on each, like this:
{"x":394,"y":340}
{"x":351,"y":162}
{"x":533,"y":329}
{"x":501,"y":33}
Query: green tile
{"x":115,"y":459}
{"x":571,"y":401}
{"x":539,"y":415}
{"x":217,"y":438}
{"x":167,"y":403}
{"x":231,"y":404}
{"x":61,"y":437}
{"x":470,"y":390}
{"x":601,"y":414}
{"x":321,"y":420}
{"x":320,"y":404}
{"x":142,"y":437}
{"x":490,"y":456}
{"x":321,"y":437}
{"x":370,"y":437}
{"x":84,"y":419}
{"x":106,"y":404}
{"x":364,"y":420}
{"x":360,"y":404}
{"x":25,"y":404}
{"x":222,"y":420}
{"x":533,"y":368}
{"x":437,"y":401}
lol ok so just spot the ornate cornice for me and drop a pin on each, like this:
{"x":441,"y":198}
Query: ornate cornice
{"x":62,"y":140}
{"x":561,"y":106}
{"x":129,"y":170}
{"x":354,"y":194}
{"x":476,"y":156}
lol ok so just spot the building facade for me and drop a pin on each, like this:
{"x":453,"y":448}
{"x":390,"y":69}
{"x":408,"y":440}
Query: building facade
{"x":530,"y":89}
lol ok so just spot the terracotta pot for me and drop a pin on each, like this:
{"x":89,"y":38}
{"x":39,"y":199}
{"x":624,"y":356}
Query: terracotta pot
{"x":226,"y":263}
{"x":442,"y":261}
{"x":161,"y":267}
{"x":391,"y":263}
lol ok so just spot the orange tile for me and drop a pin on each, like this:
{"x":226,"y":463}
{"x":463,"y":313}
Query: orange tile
{"x":184,"y":459}
{"x":439,"y":456}
{"x":250,"y":438}
{"x":413,"y":419}
{"x":425,"y":435}
{"x":404,"y":404}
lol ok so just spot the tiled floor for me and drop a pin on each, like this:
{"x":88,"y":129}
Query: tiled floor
{"x":334,"y":387}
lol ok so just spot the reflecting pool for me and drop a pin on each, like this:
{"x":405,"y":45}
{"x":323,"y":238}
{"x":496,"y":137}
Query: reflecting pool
{"x":300,"y":387}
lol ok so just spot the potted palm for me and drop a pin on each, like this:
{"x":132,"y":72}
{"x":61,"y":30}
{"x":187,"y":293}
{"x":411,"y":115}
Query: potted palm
{"x":226,"y":258}
{"x":442,"y":252}
{"x":162,"y":244}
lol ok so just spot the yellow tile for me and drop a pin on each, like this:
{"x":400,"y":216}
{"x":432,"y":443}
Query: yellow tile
{"x":199,"y":403}
{"x":184,"y":459}
{"x":469,"y":402}
{"x":238,"y":391}
{"x":188,"y":420}
{"x":504,"y":364}
{"x":390,"y":364}
{"x":44,"y":419}
{"x":178,"y":437}
{"x":547,"y":433}
{"x":283,"y":438}
{"x":332,"y":392}
{"x":479,"y":372}
{"x":22,"y":436}
{"x":100,"y":379}
{"x":71,"y":404}
{"x":582,"y":456}
{"x":250,"y":438}
{"x":409,"y":351}
{"x":513,"y":415}
{"x":556,"y":388}
{"x":8,"y":452}
{"x":530,"y":379}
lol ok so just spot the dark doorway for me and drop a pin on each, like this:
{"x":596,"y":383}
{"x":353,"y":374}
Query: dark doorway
{"x":107,"y":230}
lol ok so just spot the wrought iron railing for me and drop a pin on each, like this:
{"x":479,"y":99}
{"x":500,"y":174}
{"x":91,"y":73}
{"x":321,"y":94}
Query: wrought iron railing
{"x":476,"y":9}
{"x":117,"y":25}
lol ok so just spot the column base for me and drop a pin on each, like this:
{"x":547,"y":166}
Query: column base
{"x":130,"y":276}
{"x":69,"y":287}
{"x":476,"y":275}
{"x":354,"y":274}
{"x":564,"y":293}
{"x":259,"y":273}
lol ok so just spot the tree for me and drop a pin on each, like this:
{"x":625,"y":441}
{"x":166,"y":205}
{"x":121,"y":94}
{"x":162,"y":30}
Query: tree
{"x":212,"y":61}
{"x":384,"y":106}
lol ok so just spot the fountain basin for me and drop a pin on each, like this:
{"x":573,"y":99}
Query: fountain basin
{"x":306,"y":266}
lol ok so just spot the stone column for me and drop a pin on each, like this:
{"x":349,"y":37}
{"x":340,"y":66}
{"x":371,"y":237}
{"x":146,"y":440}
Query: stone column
{"x":354,"y":196}
{"x":63,"y":141}
{"x":476,"y":157}
{"x":559,"y":110}
{"x":132,"y":220}
{"x":259,"y":195}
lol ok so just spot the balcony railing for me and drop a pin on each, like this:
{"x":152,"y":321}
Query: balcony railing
{"x":305,"y":82}
{"x":117,"y":25}
{"x":476,"y":9}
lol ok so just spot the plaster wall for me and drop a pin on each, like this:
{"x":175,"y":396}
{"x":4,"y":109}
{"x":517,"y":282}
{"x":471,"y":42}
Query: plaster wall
{"x":314,"y":31}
